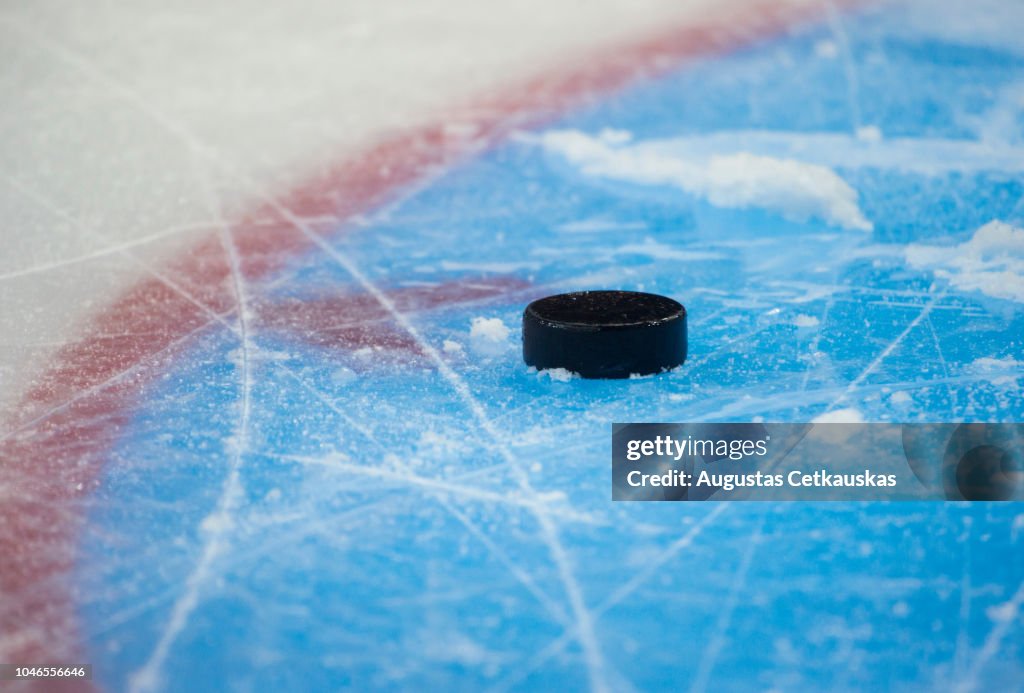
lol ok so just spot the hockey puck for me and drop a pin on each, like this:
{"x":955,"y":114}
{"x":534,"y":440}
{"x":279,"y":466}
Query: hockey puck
{"x":605,"y":334}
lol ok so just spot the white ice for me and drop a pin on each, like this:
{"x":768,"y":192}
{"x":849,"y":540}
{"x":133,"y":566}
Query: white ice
{"x":726,"y":176}
{"x":110,"y":112}
{"x":991,"y":261}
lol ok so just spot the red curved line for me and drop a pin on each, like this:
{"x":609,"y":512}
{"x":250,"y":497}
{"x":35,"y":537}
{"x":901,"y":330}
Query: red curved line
{"x":66,"y":423}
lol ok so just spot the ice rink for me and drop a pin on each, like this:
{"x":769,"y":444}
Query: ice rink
{"x":265,"y":419}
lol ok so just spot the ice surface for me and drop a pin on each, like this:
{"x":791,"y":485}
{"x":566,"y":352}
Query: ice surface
{"x":313,"y":488}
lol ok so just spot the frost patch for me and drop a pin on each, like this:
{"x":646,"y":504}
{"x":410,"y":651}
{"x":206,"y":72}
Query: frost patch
{"x":451,"y":347}
{"x":900,"y":397}
{"x":849,"y":415}
{"x":599,"y":225}
{"x":869,"y":133}
{"x":795,"y":189}
{"x":1005,"y":612}
{"x":991,"y":262}
{"x":488,"y":336}
{"x":216,"y":523}
{"x":1018,"y":526}
{"x":343,"y":376}
{"x":826,"y":49}
{"x":805,"y":321}
{"x":440,"y":445}
{"x":560,"y":375}
{"x":1005,"y":371}
{"x":659,"y":251}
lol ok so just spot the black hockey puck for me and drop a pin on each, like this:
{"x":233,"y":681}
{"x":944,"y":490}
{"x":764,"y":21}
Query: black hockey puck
{"x":605,"y":334}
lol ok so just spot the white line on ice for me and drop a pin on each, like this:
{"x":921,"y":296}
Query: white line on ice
{"x":617,"y":597}
{"x":107,"y":250}
{"x":885,"y":352}
{"x":993,"y":642}
{"x":717,"y":640}
{"x":221,"y":521}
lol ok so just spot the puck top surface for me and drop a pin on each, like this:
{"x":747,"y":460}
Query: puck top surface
{"x":605,"y":309}
{"x":605,"y":334}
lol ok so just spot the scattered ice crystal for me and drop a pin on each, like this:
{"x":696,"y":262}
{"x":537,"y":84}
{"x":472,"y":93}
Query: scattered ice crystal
{"x":899,"y":397}
{"x":488,"y":336}
{"x":869,"y":133}
{"x":826,"y":49}
{"x":560,"y":375}
{"x":803,"y":320}
{"x":848,"y":415}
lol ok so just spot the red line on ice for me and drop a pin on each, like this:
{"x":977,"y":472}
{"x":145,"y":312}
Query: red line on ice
{"x":75,"y":411}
